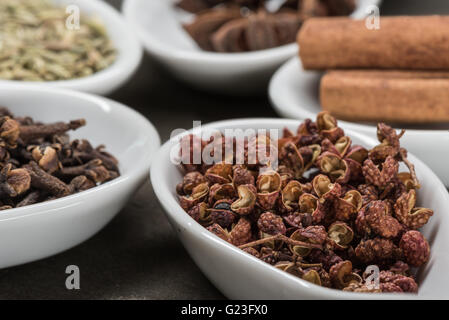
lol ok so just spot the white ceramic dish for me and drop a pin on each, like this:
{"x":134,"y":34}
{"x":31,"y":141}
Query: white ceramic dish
{"x":41,"y":230}
{"x":124,"y":40}
{"x":158,"y":24}
{"x":294,"y":94}
{"x":239,"y":275}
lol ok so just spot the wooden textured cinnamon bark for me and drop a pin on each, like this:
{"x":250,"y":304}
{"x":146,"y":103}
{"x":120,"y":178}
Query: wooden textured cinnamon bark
{"x":394,"y":96}
{"x":403,"y":42}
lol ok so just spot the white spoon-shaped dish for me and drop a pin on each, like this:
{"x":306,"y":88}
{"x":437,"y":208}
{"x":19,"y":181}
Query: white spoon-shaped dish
{"x":159,"y":26}
{"x":239,"y":275}
{"x":294,"y":94}
{"x":44,"y":229}
{"x":123,"y":39}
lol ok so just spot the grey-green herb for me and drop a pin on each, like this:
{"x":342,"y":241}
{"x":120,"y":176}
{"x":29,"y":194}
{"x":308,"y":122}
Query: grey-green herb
{"x":36,"y":44}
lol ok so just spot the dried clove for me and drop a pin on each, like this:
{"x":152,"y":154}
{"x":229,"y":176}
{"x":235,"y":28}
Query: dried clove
{"x":38,"y":162}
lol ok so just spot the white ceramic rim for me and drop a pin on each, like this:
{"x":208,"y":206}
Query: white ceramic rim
{"x":159,"y":48}
{"x":173,"y":209}
{"x":133,"y":174}
{"x":123,"y":67}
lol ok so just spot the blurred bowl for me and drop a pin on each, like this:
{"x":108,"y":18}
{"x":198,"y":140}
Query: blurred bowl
{"x":159,"y":26}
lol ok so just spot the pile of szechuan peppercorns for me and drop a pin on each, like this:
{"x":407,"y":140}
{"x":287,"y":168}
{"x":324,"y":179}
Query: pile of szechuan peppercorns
{"x":38,"y":162}
{"x":328,"y":211}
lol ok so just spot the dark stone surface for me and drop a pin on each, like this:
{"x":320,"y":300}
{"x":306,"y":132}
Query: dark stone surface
{"x":137,"y":256}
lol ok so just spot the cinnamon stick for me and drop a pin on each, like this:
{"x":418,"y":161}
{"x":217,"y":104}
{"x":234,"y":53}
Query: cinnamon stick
{"x":394,"y":96}
{"x":404,"y":42}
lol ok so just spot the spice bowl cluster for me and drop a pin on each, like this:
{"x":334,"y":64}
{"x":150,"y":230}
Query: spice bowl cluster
{"x":251,"y":248}
{"x":59,"y":186}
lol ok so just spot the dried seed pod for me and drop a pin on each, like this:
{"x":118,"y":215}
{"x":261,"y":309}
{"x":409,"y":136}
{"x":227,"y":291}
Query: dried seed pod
{"x":400,"y":267}
{"x":407,"y":180}
{"x":13,"y":182}
{"x":342,"y":276}
{"x":406,"y":213}
{"x":292,"y":159}
{"x":312,"y":234}
{"x":241,"y":233}
{"x":325,"y":189}
{"x":225,"y":218}
{"x":327,"y":258}
{"x":200,"y":213}
{"x":377,"y":177}
{"x":221,"y":191}
{"x":369,"y":193}
{"x":260,"y":151}
{"x":298,"y":219}
{"x":268,"y":189}
{"x":379,"y":221}
{"x":361,"y":288}
{"x":335,"y":167}
{"x":357,"y":153}
{"x":271,"y":224}
{"x":290,"y":196}
{"x":241,"y":175}
{"x":81,"y":183}
{"x":347,"y":207}
{"x":219,"y":232}
{"x":415,"y":248}
{"x":191,"y":180}
{"x":199,"y":194}
{"x":388,"y":278}
{"x":340,"y":235}
{"x":247,"y":199}
{"x":9,"y":131}
{"x":311,"y":205}
{"x":220,"y":173}
{"x":376,"y":250}
{"x":312,"y":276}
{"x":340,"y":148}
{"x":327,"y":127}
{"x":47,"y":158}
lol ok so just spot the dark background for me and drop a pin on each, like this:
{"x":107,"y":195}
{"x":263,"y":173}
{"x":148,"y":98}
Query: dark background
{"x":137,"y":256}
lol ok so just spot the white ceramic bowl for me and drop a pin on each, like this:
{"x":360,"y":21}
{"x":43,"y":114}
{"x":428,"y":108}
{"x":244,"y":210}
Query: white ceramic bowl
{"x":158,"y":24}
{"x":239,"y":275}
{"x":294,"y":94}
{"x":124,"y":40}
{"x":40,"y":230}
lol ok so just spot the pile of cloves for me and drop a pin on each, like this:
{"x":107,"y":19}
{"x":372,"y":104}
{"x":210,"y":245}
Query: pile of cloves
{"x":329,"y":212}
{"x":248,"y":25}
{"x":38,"y":162}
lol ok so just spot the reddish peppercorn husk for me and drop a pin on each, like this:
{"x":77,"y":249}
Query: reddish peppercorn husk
{"x":326,"y":213}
